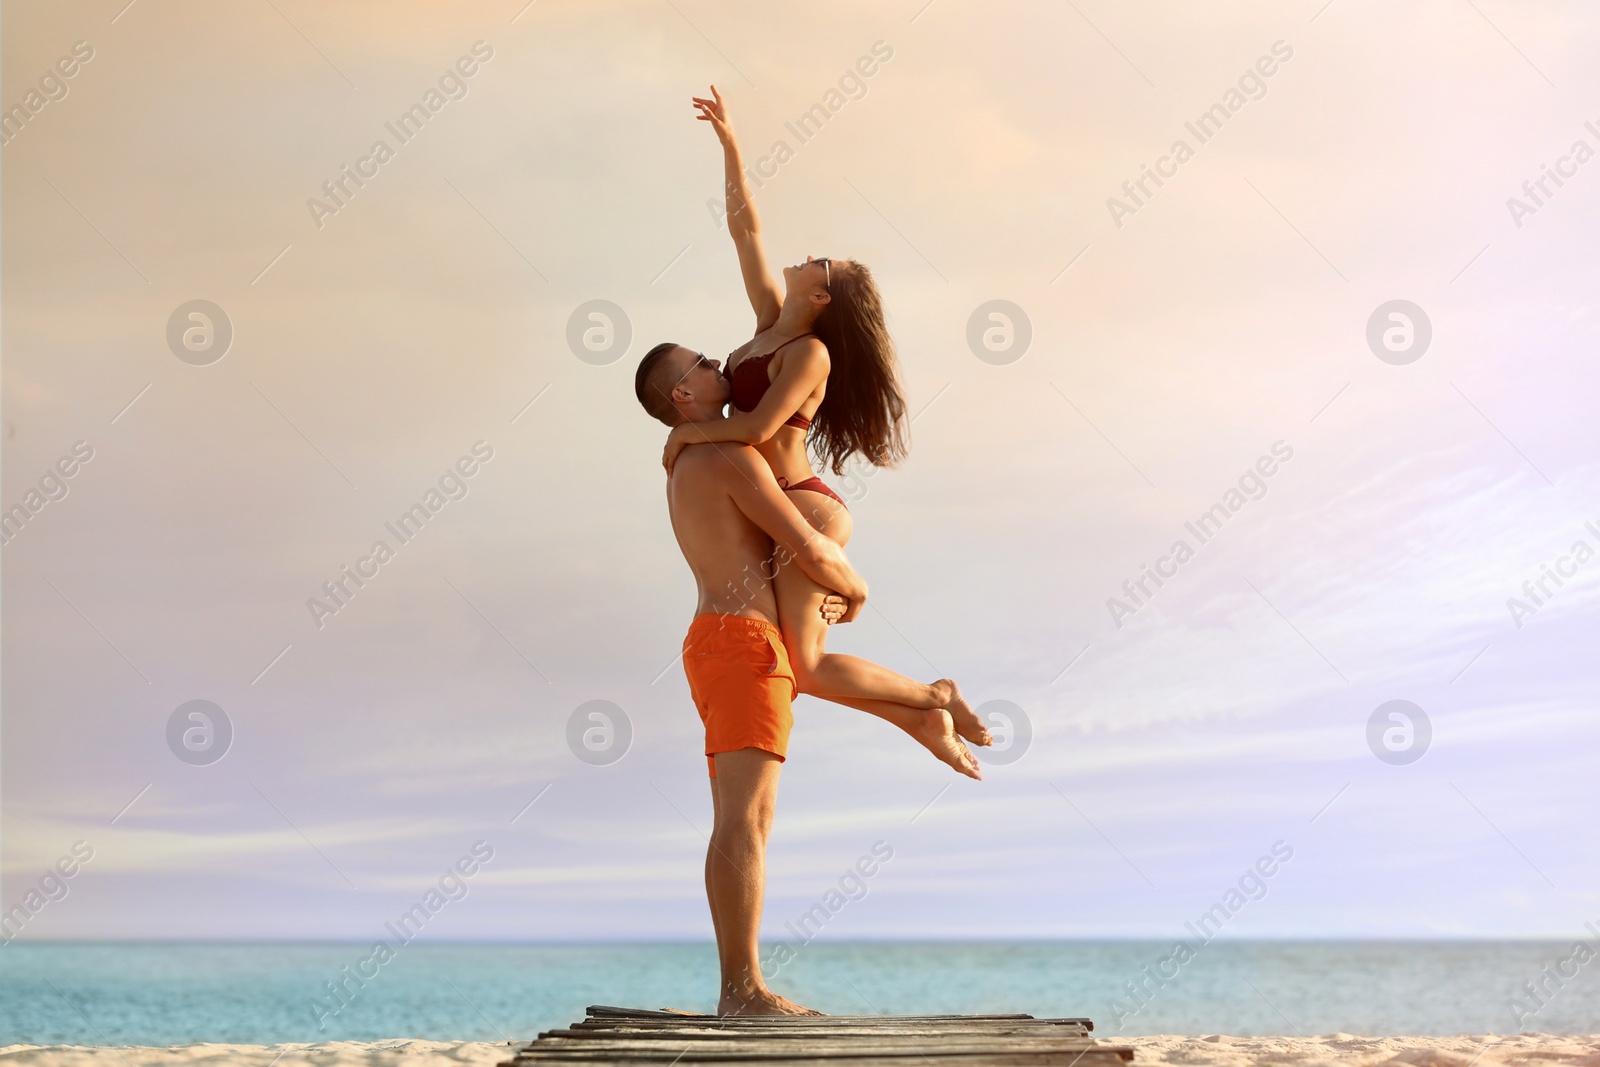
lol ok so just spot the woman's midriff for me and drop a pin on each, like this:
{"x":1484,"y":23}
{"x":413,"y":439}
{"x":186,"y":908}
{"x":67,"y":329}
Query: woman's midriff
{"x":785,"y":453}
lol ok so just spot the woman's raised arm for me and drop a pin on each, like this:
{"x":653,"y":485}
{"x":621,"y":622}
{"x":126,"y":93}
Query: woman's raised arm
{"x":743,"y":225}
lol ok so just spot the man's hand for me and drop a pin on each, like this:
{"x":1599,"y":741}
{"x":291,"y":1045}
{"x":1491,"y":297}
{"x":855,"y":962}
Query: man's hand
{"x":833,"y":608}
{"x":749,"y":481}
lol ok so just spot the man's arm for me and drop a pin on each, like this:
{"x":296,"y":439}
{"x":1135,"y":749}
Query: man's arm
{"x":756,"y":493}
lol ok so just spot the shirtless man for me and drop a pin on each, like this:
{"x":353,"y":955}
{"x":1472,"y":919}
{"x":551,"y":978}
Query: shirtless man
{"x":735,"y":527}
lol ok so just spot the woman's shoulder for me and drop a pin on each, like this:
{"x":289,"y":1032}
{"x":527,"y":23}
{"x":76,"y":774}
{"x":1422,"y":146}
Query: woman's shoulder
{"x":805,"y":350}
{"x":806,"y":342}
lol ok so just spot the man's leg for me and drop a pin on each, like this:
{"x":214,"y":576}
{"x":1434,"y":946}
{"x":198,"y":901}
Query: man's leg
{"x":745,"y":792}
{"x":711,"y":851}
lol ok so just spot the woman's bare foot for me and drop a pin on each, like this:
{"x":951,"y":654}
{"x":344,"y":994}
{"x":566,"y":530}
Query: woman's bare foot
{"x":760,"y":1002}
{"x":938,"y":735}
{"x":968,"y":724}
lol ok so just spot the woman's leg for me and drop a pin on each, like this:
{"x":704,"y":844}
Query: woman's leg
{"x":926,"y":712}
{"x":850,"y":680}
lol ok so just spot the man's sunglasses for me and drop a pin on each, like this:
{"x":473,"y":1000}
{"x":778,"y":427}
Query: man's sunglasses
{"x":701,"y":361}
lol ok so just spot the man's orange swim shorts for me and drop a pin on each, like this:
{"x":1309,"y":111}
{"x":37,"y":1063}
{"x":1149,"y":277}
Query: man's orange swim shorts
{"x":741,"y":682}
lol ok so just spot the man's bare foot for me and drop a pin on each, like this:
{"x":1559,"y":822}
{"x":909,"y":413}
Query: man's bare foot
{"x":760,"y":1002}
{"x":938,"y":735}
{"x":968,"y":724}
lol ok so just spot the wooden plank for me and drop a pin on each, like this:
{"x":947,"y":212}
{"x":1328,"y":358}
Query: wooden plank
{"x":837,"y":1052}
{"x":712,"y":1032}
{"x":961,"y":1056}
{"x":792,"y":1020}
{"x":1090,"y":1058}
{"x":670,"y":1021}
{"x":810,"y":1046}
{"x":705,"y":1052}
{"x":606,"y":1011}
{"x":723,"y":1039}
{"x":928,"y":1031}
{"x":633,"y":1037}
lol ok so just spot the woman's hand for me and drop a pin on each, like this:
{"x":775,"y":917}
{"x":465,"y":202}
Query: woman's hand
{"x":679,"y":439}
{"x":715,"y":112}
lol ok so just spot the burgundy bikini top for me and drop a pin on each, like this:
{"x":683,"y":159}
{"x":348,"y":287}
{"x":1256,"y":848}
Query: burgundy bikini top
{"x":749,"y":383}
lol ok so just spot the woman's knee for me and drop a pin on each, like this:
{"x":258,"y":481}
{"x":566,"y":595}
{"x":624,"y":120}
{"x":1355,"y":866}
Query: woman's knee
{"x":806,"y":664}
{"x":802,"y":658}
{"x":818,"y":680}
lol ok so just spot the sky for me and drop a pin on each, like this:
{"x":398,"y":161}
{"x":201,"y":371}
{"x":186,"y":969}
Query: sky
{"x":1158,"y":351}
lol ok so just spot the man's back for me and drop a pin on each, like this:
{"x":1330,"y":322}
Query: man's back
{"x":730,"y":555}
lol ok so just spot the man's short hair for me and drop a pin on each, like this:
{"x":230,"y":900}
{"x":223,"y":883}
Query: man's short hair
{"x":654,"y":393}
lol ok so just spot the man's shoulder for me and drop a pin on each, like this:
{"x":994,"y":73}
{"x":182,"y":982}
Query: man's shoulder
{"x":716,"y":457}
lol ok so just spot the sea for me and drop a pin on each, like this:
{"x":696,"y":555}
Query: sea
{"x":171,"y":994}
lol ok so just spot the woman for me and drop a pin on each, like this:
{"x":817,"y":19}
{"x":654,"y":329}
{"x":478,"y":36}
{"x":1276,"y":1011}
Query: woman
{"x":821,"y":364}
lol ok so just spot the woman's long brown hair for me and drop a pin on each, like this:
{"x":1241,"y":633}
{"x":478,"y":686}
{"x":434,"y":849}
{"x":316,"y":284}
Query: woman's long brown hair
{"x":863,"y":411}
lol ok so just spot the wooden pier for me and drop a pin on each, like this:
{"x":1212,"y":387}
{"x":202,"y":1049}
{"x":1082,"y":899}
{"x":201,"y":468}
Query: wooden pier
{"x":633,"y":1037}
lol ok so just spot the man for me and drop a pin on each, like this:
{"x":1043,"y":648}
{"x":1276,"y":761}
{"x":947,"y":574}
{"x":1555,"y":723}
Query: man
{"x":735,"y":526}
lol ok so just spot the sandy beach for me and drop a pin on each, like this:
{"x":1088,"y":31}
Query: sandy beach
{"x":1516,"y":1050}
{"x":1346,"y":1050}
